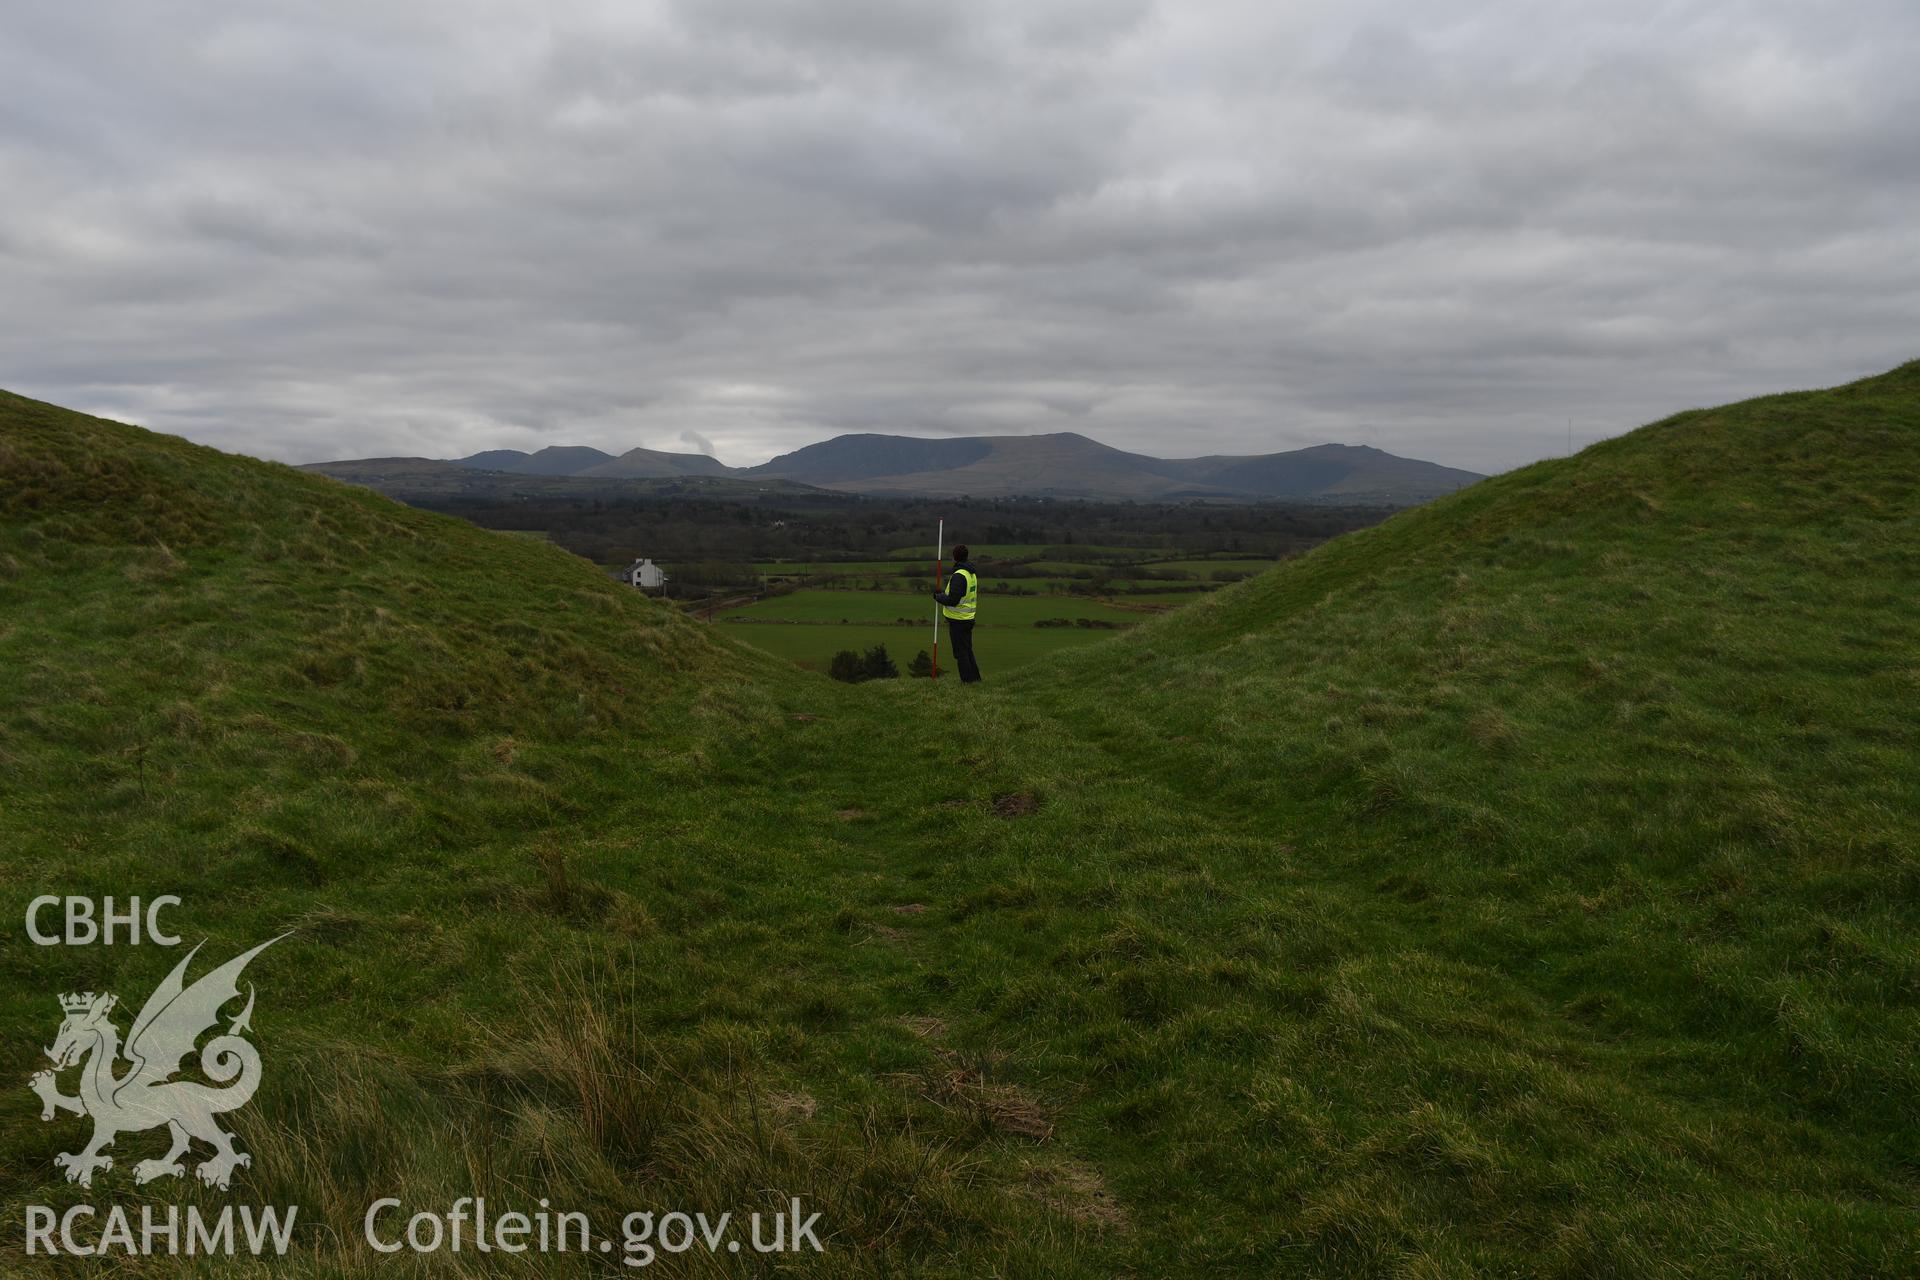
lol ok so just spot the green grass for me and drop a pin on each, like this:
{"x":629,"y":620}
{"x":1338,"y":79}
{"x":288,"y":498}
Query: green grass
{"x":998,"y":551}
{"x":1526,"y":885}
{"x":861,"y":568}
{"x":999,"y":650}
{"x":983,"y":552}
{"x":1159,"y":589}
{"x":1070,"y":568}
{"x":806,"y":626}
{"x":1149,"y":591}
{"x":1198,"y":570}
{"x":1207,"y":568}
{"x":826,"y":604}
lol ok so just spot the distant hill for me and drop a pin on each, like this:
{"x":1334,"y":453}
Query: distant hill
{"x":1326,"y":470}
{"x":1070,"y":465}
{"x":416,"y":479}
{"x":1062,"y":465}
{"x":556,"y":460}
{"x":653,"y":464}
{"x":855,"y":458}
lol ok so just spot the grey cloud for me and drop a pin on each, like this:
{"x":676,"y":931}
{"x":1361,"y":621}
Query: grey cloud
{"x":325,"y":230}
{"x":917,"y":31}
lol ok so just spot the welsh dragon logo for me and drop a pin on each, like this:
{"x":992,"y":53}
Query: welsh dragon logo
{"x":145,"y":1095}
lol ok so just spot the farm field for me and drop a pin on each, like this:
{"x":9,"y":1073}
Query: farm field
{"x":807,"y":626}
{"x":877,"y":568}
{"x":1112,"y":583}
{"x":1202,"y":568}
{"x":892,"y":576}
{"x":1026,"y":551}
{"x":1151,"y":589}
{"x":1152,"y":597}
{"x":999,"y":551}
{"x":1131,"y":593}
{"x":826,"y":604}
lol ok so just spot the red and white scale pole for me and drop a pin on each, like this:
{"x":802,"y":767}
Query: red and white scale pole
{"x":939,"y":553}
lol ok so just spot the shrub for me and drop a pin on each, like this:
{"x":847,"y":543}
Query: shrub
{"x":878,"y":665}
{"x":853,"y":667}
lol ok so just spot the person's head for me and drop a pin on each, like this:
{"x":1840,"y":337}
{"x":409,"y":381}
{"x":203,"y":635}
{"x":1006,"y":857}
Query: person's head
{"x":960,"y":551}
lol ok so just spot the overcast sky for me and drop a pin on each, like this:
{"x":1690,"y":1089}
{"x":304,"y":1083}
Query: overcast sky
{"x":348,"y":228}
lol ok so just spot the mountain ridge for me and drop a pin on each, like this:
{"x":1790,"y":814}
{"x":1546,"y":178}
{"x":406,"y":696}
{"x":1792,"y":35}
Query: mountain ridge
{"x":1063,"y":464}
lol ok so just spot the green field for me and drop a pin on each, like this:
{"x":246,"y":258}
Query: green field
{"x":826,"y":604}
{"x":1528,"y":885}
{"x":1150,"y":590}
{"x":1021,"y":551}
{"x":1197,"y":570}
{"x":890,"y":578}
{"x":997,"y":551}
{"x":1205,"y":568}
{"x":806,"y":626}
{"x":872,"y":568}
{"x":1068,"y":568}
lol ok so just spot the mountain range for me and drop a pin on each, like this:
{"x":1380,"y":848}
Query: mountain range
{"x":1059,"y":465}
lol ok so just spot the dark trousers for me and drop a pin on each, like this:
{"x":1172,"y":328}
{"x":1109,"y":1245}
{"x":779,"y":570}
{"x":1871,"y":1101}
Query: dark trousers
{"x":960,"y":640}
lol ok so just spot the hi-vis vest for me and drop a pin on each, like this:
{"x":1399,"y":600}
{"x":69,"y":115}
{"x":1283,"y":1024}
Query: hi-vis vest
{"x":969,"y":603}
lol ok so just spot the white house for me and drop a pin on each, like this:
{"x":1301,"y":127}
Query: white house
{"x":644,"y":574}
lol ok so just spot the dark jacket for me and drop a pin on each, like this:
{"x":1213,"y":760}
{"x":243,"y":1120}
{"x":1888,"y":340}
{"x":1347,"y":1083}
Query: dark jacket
{"x":953,"y":595}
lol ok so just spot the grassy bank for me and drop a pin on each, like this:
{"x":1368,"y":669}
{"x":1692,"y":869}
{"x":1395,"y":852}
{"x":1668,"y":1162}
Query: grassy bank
{"x":1525,"y":885}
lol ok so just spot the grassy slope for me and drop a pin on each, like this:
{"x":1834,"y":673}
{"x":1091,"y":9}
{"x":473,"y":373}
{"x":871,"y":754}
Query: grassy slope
{"x":489,"y":790}
{"x":1599,"y":780}
{"x":1526,"y":884}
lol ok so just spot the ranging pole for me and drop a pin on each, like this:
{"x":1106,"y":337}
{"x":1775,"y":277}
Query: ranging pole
{"x":939,"y":552}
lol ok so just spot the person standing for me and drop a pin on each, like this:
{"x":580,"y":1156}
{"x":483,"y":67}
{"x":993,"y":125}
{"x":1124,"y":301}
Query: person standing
{"x":959,"y":603}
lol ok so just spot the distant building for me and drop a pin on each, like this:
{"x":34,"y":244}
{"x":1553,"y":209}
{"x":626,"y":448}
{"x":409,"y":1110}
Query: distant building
{"x":644,"y":574}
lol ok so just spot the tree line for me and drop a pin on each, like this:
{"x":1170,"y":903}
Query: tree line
{"x":732,"y":531}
